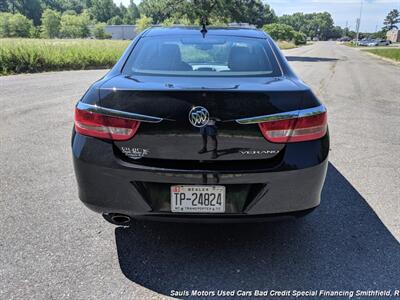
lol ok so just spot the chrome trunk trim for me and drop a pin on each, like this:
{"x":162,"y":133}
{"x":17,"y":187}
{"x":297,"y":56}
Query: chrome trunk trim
{"x":117,"y":113}
{"x":284,"y":116}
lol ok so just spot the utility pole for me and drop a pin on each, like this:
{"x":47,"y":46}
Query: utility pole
{"x":359,"y":22}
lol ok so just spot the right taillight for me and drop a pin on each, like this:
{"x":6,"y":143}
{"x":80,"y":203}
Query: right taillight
{"x":302,"y":128}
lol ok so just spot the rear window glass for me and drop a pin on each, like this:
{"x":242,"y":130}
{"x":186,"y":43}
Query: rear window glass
{"x":198,"y":56}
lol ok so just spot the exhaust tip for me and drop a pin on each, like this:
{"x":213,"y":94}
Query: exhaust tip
{"x":118,"y":219}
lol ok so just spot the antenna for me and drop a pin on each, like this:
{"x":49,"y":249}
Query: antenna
{"x":203,"y":23}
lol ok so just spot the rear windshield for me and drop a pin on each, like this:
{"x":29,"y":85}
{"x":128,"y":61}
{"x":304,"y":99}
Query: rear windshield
{"x":198,"y":56}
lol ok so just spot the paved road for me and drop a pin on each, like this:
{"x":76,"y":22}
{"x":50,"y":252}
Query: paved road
{"x":362,"y":93}
{"x":53,"y":247}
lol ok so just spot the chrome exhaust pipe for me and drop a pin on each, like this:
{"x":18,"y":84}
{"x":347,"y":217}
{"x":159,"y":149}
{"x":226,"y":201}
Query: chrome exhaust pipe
{"x":118,"y":219}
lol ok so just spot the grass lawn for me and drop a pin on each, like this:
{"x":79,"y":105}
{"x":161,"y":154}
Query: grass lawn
{"x":286,"y":45}
{"x":41,"y":55}
{"x":391,"y":53}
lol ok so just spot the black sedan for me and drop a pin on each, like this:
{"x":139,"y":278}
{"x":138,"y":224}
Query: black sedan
{"x":198,"y":125}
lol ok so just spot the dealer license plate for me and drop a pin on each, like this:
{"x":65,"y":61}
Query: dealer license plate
{"x":198,"y":198}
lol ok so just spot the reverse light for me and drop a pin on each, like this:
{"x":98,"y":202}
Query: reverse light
{"x":299,"y":129}
{"x":103,"y":126}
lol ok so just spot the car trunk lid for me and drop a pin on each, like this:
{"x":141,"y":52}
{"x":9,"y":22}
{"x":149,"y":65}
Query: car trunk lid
{"x":225,"y":99}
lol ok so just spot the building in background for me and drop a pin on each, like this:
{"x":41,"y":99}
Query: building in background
{"x":121,"y":32}
{"x":393,"y":35}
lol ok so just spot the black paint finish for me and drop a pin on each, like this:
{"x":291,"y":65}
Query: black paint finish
{"x":261,"y":178}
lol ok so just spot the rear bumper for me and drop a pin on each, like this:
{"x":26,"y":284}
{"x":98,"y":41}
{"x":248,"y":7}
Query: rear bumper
{"x":109,"y":185}
{"x":225,"y":218}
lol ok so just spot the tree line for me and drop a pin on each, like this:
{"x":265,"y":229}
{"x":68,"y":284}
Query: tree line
{"x":73,"y":18}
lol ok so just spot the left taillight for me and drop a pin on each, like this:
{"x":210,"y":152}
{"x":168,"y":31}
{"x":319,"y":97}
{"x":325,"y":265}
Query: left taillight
{"x":300,"y":129}
{"x":103,"y":126}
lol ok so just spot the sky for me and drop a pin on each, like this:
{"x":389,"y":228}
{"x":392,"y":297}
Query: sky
{"x":342,"y":11}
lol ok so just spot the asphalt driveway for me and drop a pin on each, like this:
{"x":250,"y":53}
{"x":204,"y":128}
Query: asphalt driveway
{"x":51,"y":246}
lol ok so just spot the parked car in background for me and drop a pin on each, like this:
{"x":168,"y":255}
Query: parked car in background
{"x":378,"y":42}
{"x":364,"y":42}
{"x":344,"y":39}
{"x":373,"y":42}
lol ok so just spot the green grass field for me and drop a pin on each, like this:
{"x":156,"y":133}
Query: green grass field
{"x":41,"y":55}
{"x":391,"y":53}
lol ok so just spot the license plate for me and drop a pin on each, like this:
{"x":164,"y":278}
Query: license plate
{"x":198,"y":198}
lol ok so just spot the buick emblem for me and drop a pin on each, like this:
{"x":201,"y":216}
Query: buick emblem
{"x":199,"y":116}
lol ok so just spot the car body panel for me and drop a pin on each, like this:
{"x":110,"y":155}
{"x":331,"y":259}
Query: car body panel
{"x":262,"y":178}
{"x":110,"y":184}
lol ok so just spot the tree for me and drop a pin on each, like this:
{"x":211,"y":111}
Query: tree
{"x":391,"y":20}
{"x":32,"y":9}
{"x":378,"y":35}
{"x":51,"y":23}
{"x":99,"y":32}
{"x":323,"y":25}
{"x":254,"y":12}
{"x":63,"y":5}
{"x":143,"y":23}
{"x":117,"y":20}
{"x":75,"y":26}
{"x":280,"y":31}
{"x":103,"y":10}
{"x":19,"y":26}
{"x":285,"y":32}
{"x":217,"y":11}
{"x":5,"y":24}
{"x":177,"y":21}
{"x":297,"y":20}
{"x":70,"y":12}
{"x":158,"y":10}
{"x":336,"y":32}
{"x":3,"y":6}
{"x":299,"y":38}
{"x":131,"y":14}
{"x":313,"y":25}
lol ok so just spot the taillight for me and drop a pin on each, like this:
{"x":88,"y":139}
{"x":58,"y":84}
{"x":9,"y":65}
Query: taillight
{"x":303,"y":128}
{"x":103,"y":126}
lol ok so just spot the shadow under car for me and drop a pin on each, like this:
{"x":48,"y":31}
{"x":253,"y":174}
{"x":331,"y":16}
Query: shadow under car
{"x":342,"y":245}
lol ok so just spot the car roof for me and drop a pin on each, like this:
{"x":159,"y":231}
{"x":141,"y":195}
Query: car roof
{"x":193,"y":30}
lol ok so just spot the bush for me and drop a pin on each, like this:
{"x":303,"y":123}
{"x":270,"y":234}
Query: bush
{"x":20,"y":26}
{"x":99,"y":32}
{"x":51,"y":23}
{"x":283,"y":32}
{"x":75,"y":26}
{"x":299,"y":38}
{"x":278,"y":31}
{"x":5,"y":24}
{"x":143,"y":23}
{"x":222,"y":22}
{"x":177,"y":21}
{"x":40,"y":55}
{"x":34,"y":32}
{"x":15,"y":25}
